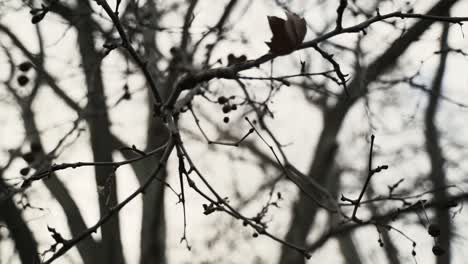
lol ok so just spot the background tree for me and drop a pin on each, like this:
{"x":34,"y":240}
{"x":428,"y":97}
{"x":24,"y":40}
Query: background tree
{"x":339,"y":132}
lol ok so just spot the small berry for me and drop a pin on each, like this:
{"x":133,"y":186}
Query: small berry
{"x":234,"y":107}
{"x":226,"y":108}
{"x":255,"y":235}
{"x":381,"y":244}
{"x":25,"y":66}
{"x":413,"y":253}
{"x":438,"y":250}
{"x":22,"y":80}
{"x":226,"y":119}
{"x":222,"y":100}
{"x":24,"y":171}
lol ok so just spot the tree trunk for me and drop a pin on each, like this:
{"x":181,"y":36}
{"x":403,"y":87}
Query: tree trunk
{"x":25,"y":243}
{"x":101,"y":141}
{"x":88,"y":248}
{"x":434,"y":150}
{"x":348,"y":248}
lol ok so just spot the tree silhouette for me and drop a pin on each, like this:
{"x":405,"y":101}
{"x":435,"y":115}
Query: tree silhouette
{"x":145,"y":86}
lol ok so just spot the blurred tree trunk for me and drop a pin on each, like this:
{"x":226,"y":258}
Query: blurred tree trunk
{"x":153,"y":233}
{"x":391,"y":251}
{"x":88,"y":248}
{"x":348,"y":248}
{"x":25,"y":243}
{"x":153,"y":226}
{"x":434,"y":150}
{"x":304,"y":210}
{"x":98,"y":121}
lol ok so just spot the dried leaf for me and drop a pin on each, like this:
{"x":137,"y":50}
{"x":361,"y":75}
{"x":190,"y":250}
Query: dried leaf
{"x":287,"y":34}
{"x":295,"y":27}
